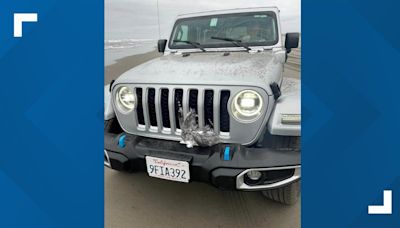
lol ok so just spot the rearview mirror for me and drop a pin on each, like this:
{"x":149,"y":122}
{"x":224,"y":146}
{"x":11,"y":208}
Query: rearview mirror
{"x":161,"y":45}
{"x":291,"y":41}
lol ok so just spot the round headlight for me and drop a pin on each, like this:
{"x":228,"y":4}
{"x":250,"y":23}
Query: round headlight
{"x":125,"y":99}
{"x":247,"y":105}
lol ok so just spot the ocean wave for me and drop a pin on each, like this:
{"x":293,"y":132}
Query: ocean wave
{"x":126,"y":43}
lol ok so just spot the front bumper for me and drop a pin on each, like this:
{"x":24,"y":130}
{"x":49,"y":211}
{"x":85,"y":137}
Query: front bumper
{"x":211,"y":165}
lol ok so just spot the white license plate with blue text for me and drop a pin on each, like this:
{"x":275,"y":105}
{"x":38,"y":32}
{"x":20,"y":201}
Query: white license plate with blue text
{"x":168,"y":169}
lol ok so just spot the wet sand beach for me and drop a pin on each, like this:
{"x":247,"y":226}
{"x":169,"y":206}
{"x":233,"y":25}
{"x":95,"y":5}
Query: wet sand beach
{"x":120,"y":66}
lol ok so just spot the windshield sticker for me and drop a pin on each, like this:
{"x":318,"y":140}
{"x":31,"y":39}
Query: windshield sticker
{"x":213,"y":22}
{"x":262,"y":15}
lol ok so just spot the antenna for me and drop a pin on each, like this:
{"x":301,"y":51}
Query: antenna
{"x":158,"y":21}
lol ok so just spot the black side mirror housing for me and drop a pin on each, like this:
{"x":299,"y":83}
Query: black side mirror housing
{"x":291,"y":41}
{"x":161,"y":45}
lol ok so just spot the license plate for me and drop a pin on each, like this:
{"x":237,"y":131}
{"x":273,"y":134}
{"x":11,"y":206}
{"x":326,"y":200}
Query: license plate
{"x":168,"y":169}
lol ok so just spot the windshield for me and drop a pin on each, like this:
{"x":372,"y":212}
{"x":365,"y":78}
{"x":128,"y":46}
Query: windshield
{"x":251,"y":29}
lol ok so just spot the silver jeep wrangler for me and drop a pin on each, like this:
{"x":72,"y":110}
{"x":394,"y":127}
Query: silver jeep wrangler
{"x":213,"y":108}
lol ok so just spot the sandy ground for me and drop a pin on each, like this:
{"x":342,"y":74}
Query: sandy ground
{"x":136,"y":200}
{"x":122,"y":65}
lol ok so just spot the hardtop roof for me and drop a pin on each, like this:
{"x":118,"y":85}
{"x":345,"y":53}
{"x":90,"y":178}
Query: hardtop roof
{"x":228,"y":11}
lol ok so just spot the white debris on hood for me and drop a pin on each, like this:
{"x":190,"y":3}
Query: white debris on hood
{"x":193,"y":135}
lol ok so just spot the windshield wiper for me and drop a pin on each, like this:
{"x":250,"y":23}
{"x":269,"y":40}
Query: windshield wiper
{"x":234,"y":41}
{"x":194,"y":44}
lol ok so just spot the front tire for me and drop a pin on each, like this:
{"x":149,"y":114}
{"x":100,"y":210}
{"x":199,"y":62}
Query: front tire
{"x":288,"y":194}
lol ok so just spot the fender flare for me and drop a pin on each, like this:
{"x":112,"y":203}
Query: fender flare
{"x":108,"y":108}
{"x":288,"y":103}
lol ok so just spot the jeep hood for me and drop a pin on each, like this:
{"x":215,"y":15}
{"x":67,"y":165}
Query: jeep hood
{"x":238,"y":68}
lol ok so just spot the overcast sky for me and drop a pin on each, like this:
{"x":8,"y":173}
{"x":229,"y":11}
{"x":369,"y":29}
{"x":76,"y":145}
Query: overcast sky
{"x":137,"y":19}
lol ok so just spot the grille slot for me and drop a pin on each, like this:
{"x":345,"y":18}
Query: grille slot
{"x":193,"y":96}
{"x":208,"y":107}
{"x":193,"y":100}
{"x":139,"y":110}
{"x":178,"y":104}
{"x":224,"y":115}
{"x":152,"y":106}
{"x":164,"y":108}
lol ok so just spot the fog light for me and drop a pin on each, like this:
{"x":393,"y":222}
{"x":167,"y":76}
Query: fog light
{"x":254,"y":175}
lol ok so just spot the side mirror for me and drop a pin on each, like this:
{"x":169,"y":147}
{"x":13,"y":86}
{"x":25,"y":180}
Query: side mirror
{"x":291,"y":41}
{"x":161,"y":45}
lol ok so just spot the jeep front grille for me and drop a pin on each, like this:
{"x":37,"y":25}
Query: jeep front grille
{"x":159,"y":108}
{"x":156,"y":113}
